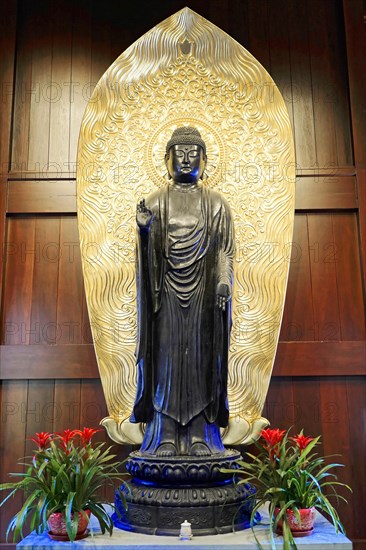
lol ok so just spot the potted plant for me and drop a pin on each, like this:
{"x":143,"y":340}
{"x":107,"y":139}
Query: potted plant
{"x":62,"y":485}
{"x":294,"y":480}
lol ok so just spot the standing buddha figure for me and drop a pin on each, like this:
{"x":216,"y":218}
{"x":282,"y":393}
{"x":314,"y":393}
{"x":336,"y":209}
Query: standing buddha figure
{"x":184,"y":289}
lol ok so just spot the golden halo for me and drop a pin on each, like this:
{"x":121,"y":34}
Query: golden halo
{"x":121,"y":159}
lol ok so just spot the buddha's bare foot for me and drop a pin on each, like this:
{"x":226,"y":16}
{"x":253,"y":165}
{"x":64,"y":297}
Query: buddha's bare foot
{"x":200,"y":449}
{"x":166,"y":449}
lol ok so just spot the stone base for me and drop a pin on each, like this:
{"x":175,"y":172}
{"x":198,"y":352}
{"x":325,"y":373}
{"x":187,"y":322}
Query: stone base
{"x":182,"y":470}
{"x":166,"y":491}
{"x":161,"y":510}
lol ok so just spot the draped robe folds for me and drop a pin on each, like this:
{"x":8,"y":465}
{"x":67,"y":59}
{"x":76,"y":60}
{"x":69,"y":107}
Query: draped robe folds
{"x":183,"y":336}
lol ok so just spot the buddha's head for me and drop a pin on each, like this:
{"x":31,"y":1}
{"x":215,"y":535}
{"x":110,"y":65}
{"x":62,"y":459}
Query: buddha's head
{"x":185,"y":156}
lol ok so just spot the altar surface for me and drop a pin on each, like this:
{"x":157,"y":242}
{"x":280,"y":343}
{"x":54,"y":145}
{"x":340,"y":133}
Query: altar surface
{"x":323,"y":538}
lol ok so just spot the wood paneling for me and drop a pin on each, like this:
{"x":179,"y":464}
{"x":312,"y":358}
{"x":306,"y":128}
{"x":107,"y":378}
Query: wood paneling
{"x":45,"y":305}
{"x":361,"y":187}
{"x":238,"y":25}
{"x":41,"y":361}
{"x":8,"y":20}
{"x":323,"y":257}
{"x":22,"y":91}
{"x":351,"y":293}
{"x":320,"y":359}
{"x":329,"y":84}
{"x":43,"y":322}
{"x":37,"y":411}
{"x":43,"y":88}
{"x":81,"y":67}
{"x":354,"y":22}
{"x":60,"y":104}
{"x":19,"y":270}
{"x":324,"y":300}
{"x":280,"y":407}
{"x":12,"y":441}
{"x":48,"y":369}
{"x":70,"y":285}
{"x":41,"y":196}
{"x":298,"y":315}
{"x":279,"y":52}
{"x":325,"y":193}
{"x":301,"y":85}
{"x":334,"y":396}
{"x":65,"y":410}
{"x":258,"y":25}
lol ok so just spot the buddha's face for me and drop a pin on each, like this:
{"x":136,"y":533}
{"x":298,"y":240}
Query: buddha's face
{"x":185,"y":163}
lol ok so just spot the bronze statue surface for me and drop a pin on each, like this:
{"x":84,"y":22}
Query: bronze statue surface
{"x":185,"y":276}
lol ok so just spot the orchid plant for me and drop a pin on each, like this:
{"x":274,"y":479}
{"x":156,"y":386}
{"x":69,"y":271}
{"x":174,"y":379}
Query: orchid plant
{"x":66,"y":474}
{"x":289,"y":475}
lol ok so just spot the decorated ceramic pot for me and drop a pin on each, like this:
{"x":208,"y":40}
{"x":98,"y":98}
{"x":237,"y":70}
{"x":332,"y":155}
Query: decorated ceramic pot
{"x":298,"y":528}
{"x":57,"y":524}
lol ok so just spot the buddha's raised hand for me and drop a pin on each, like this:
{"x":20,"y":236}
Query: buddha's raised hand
{"x":144,"y":215}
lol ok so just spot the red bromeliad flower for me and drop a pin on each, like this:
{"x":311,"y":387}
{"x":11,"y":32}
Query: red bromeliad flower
{"x":41,"y":439}
{"x":86,"y":434}
{"x":302,"y":441}
{"x":66,"y":438}
{"x":273,"y":438}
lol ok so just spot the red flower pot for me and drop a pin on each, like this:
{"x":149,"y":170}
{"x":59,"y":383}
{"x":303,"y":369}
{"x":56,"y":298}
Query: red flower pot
{"x":298,"y":528}
{"x":57,"y":526}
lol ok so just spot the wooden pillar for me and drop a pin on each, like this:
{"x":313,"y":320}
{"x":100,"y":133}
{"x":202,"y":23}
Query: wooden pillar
{"x":8,"y":18}
{"x":355,"y":30}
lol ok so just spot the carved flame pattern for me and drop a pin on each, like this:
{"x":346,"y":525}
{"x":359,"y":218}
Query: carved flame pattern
{"x":186,"y":71}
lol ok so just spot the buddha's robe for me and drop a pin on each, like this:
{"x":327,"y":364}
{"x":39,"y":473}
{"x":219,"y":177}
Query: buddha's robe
{"x":183,"y":336}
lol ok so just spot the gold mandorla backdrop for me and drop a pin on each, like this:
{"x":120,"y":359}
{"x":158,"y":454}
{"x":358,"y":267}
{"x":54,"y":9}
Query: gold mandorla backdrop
{"x":186,"y":71}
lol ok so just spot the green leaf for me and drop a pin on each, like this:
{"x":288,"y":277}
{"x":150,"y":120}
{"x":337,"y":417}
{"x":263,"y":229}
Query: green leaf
{"x":27,"y":507}
{"x":71,"y":524}
{"x":105,"y":521}
{"x":10,"y":494}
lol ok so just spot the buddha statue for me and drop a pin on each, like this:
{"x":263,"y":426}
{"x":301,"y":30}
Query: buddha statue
{"x":184,"y":287}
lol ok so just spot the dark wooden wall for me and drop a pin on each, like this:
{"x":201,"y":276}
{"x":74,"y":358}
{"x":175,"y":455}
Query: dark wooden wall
{"x":52,"y":54}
